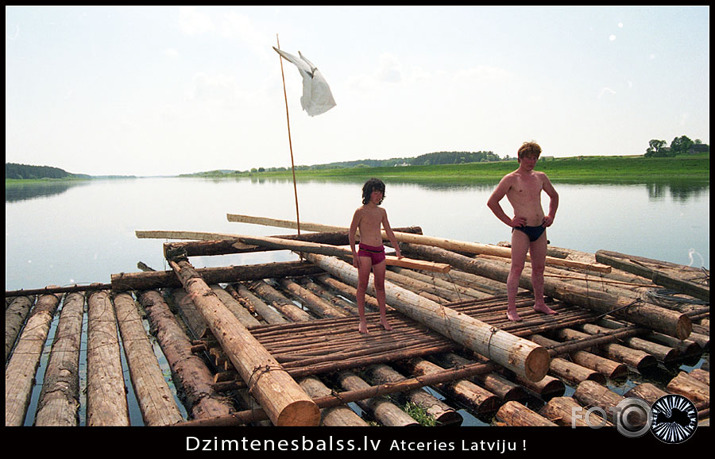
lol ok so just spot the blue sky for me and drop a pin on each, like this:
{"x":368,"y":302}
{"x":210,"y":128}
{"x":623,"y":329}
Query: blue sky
{"x":170,"y":90}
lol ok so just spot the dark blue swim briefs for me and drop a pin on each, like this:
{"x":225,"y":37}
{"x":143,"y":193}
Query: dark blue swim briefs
{"x":534,"y":232}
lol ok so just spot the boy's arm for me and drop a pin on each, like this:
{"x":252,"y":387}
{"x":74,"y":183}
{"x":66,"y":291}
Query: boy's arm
{"x":391,"y":235}
{"x":553,"y":203}
{"x":496,"y":196}
{"x":353,"y":231}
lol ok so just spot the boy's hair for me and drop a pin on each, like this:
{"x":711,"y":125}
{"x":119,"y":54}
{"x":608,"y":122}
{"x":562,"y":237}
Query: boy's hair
{"x":372,"y":185}
{"x":530,"y":149}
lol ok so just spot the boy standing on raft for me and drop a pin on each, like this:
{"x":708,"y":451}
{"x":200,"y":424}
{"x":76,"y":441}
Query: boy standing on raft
{"x":523,"y":189}
{"x":371,"y":254}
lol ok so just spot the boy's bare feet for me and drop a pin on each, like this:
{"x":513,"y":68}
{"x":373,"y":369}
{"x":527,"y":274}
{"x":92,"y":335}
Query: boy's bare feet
{"x":545,"y":309}
{"x":363,"y":327}
{"x":386,"y":325}
{"x":513,"y":316}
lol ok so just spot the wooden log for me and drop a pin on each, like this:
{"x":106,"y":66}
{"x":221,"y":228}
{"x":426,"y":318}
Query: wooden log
{"x":106,"y":392}
{"x":492,"y":382}
{"x":279,"y":301}
{"x":655,"y":270}
{"x":310,"y":300}
{"x":59,"y":400}
{"x":334,"y":299}
{"x":161,"y":279}
{"x":235,"y":307}
{"x":546,"y":389}
{"x":474,"y":396}
{"x":268,"y":314}
{"x":348,"y":291}
{"x":633,"y":358}
{"x":443,"y":295}
{"x":662,"y":353}
{"x":384,"y":411}
{"x":442,"y":413}
{"x":520,"y":355}
{"x":591,"y":394}
{"x":15,"y":316}
{"x":687,"y":386}
{"x":515,"y":414}
{"x":23,"y":364}
{"x":279,"y":395}
{"x":638,"y":312}
{"x":155,"y":399}
{"x":336,"y":416}
{"x":192,"y":377}
{"x":701,"y":375}
{"x":439,"y":281}
{"x":571,"y":372}
{"x":560,"y":410}
{"x":459,"y":246}
{"x":646,"y":391}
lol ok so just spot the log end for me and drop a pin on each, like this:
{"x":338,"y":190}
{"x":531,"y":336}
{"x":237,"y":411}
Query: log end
{"x":537,"y":364}
{"x":299,"y":413}
{"x":683,"y":327}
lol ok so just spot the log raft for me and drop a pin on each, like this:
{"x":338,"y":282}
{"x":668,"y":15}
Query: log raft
{"x":309,"y":304}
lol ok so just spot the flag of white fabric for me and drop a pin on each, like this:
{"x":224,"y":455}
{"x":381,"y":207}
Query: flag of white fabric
{"x":316,"y":98}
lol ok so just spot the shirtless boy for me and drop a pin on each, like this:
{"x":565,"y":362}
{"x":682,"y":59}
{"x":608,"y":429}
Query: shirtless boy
{"x":523,"y":189}
{"x":371,"y":254}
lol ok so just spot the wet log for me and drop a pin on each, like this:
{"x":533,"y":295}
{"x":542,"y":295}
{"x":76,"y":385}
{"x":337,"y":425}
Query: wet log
{"x":106,"y":392}
{"x":633,"y":358}
{"x":515,"y":414}
{"x":478,"y":398}
{"x":15,"y":316}
{"x":161,"y":279}
{"x":561,"y":410}
{"x":336,"y":416}
{"x":59,"y":400}
{"x":442,"y":413}
{"x":492,"y":382}
{"x":520,"y":355}
{"x":20,"y":370}
{"x":279,"y":395}
{"x":662,"y":353}
{"x":570,"y":372}
{"x":268,"y":314}
{"x":384,"y":411}
{"x":656,"y":271}
{"x":155,"y":399}
{"x":638,"y":312}
{"x":458,"y":246}
{"x":687,"y":386}
{"x":279,"y":301}
{"x":193,"y":378}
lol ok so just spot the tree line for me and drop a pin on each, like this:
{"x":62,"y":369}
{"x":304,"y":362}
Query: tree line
{"x":24,"y":171}
{"x":679,"y":146}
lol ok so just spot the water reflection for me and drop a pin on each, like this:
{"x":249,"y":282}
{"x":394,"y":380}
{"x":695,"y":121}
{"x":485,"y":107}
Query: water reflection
{"x":18,"y":191}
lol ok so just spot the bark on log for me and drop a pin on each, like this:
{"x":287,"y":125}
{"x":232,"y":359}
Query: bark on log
{"x":268,"y":314}
{"x":638,"y":312}
{"x":310,"y":300}
{"x":193,"y":378}
{"x":662,"y":353}
{"x":20,"y":371}
{"x":59,"y":400}
{"x":591,"y":394}
{"x":235,"y":307}
{"x":517,"y":415}
{"x":279,"y":395}
{"x":280,"y":302}
{"x":459,"y":246}
{"x":15,"y":316}
{"x":106,"y":392}
{"x":571,"y":372}
{"x":336,"y":416}
{"x":687,"y":386}
{"x":633,"y":358}
{"x":155,"y":399}
{"x":520,"y":355}
{"x":546,"y":389}
{"x":646,"y":391}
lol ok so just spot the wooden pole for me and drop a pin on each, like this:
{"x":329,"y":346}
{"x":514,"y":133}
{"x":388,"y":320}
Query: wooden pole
{"x":290,"y":142}
{"x":449,"y":244}
{"x":280,"y":396}
{"x":520,"y":355}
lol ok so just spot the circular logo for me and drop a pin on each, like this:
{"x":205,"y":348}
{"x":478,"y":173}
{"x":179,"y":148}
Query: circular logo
{"x":633,"y":417}
{"x":674,"y":419}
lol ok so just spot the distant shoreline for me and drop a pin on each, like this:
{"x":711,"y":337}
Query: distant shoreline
{"x":579,"y":168}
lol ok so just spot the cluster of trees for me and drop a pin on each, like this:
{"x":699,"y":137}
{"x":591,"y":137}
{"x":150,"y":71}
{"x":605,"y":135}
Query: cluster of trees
{"x":679,"y":146}
{"x":23,"y":171}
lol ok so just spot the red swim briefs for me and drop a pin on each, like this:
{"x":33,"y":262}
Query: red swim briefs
{"x":376,"y":254}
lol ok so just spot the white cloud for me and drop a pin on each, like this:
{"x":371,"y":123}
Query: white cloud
{"x":192,"y":22}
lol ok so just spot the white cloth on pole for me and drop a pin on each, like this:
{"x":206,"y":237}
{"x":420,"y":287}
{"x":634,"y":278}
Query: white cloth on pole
{"x":316,"y":98}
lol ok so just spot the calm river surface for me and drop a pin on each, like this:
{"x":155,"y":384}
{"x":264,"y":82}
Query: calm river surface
{"x":65,"y":234}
